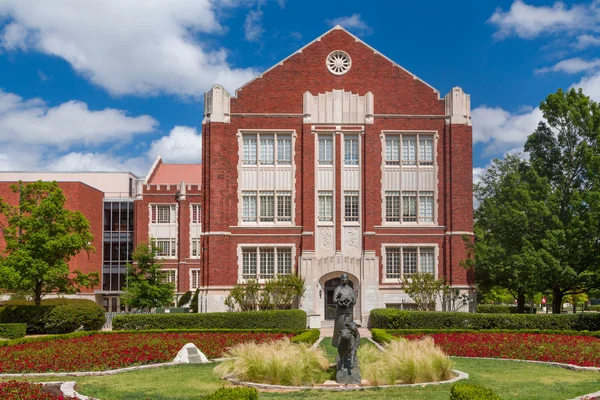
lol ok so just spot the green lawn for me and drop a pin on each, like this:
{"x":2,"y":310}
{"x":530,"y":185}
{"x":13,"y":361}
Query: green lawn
{"x":509,"y":379}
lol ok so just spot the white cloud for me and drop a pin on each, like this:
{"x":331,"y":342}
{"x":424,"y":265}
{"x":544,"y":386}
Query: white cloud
{"x":585,"y":41}
{"x":590,"y":85}
{"x":353,"y":23}
{"x":141,"y":47}
{"x":182,"y":145}
{"x":253,"y":28}
{"x":34,"y":122}
{"x":77,"y":161}
{"x":571,"y":66}
{"x":529,"y":22}
{"x":501,"y":131}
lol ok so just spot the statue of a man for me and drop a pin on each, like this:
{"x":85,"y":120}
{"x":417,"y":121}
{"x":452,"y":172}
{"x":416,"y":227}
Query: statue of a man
{"x":344,"y":299}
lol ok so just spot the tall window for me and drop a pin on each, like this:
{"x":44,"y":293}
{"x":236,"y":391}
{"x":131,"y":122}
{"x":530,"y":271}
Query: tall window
{"x":409,"y":149}
{"x":267,"y":149}
{"x":325,"y":150}
{"x":169,"y":275}
{"x":195,"y":247}
{"x":263,"y":263}
{"x":409,"y":206}
{"x":403,"y":262}
{"x":196,"y":217}
{"x":194,"y":279}
{"x":163,"y":214}
{"x":392,"y":206}
{"x":325,"y":205}
{"x":273,"y":206}
{"x":351,"y":150}
{"x":413,"y":208}
{"x":351,"y":206}
{"x":165,"y":247}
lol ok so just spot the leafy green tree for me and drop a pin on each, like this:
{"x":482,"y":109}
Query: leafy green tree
{"x":277,"y":294}
{"x":565,"y":150}
{"x":510,"y":224}
{"x":41,"y":237}
{"x":424,"y":289}
{"x":146,"y":284}
{"x":183,"y":300}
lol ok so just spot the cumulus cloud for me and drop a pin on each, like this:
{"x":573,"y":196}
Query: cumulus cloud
{"x":253,"y":28}
{"x":571,"y":66}
{"x":353,"y":23}
{"x":585,"y":41}
{"x":182,"y":145}
{"x":138,"y":47}
{"x":500,"y":131}
{"x":80,"y":161}
{"x":34,"y":122}
{"x":528,"y":22}
{"x":590,"y":85}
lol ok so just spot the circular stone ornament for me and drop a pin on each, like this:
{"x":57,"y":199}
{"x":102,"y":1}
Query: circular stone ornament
{"x":338,"y":62}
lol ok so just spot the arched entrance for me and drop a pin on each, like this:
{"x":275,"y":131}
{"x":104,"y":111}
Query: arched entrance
{"x":329,"y":303}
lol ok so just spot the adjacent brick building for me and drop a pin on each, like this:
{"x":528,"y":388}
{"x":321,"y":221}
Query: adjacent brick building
{"x":334,"y":160}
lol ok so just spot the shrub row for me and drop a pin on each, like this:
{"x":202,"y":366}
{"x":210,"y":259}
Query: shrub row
{"x":55,"y":316}
{"x":469,"y":391}
{"x":388,"y":318}
{"x":237,"y":393}
{"x":501,"y":309}
{"x":12,"y":331}
{"x":595,"y":307}
{"x":309,"y":337}
{"x":279,"y":319}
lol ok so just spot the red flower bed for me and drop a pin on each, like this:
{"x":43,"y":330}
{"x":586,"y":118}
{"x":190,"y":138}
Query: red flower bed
{"x":110,"y":351}
{"x":577,"y":350}
{"x":13,"y":390}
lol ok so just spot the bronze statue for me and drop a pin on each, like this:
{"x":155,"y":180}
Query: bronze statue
{"x":344,"y":304}
{"x":345,"y":334}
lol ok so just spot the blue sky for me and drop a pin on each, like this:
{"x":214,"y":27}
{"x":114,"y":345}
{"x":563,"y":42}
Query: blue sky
{"x":111,"y":84}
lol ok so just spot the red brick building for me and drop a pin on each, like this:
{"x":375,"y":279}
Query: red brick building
{"x":334,"y":160}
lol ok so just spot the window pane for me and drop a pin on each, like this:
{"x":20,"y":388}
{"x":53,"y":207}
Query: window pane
{"x":169,"y":275}
{"x":426,"y":206}
{"x":267,"y":148}
{"x":392,"y":150}
{"x":351,"y":150}
{"x":409,"y":206}
{"x":284,"y":149}
{"x":249,"y":263}
{"x":284,"y":261}
{"x":195,"y":279}
{"x":392,"y":263}
{"x":249,"y":206}
{"x":426,"y":260}
{"x":325,"y":206}
{"x":351,"y":206}
{"x":195,"y":247}
{"x":267,"y":206}
{"x":249,"y":152}
{"x":284,"y":206}
{"x":267,"y":263}
{"x":409,"y":150}
{"x":392,"y":206}
{"x":426,"y":151}
{"x":409,"y":261}
{"x":326,"y":150}
{"x":195,"y":213}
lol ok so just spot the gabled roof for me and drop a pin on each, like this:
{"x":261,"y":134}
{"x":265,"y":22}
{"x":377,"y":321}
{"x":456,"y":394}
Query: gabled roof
{"x":337,"y":27}
{"x":173,"y":174}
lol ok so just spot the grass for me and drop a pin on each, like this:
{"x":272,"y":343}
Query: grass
{"x":508,"y":379}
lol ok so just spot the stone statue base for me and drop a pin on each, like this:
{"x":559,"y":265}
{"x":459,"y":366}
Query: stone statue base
{"x":352,"y":378}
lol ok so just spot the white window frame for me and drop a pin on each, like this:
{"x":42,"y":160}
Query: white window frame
{"x":354,"y":216}
{"x":419,"y":246}
{"x":172,"y":247}
{"x":197,"y":242}
{"x":191,"y":282}
{"x":400,"y":137}
{"x":352,"y":155}
{"x":158,"y":207}
{"x":326,"y":154}
{"x":197,"y":209}
{"x":253,"y":248}
{"x":170,"y":272}
{"x":324,"y":214}
{"x":263,"y":154}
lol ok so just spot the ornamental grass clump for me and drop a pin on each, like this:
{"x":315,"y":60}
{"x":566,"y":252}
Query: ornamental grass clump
{"x":404,"y":361}
{"x":277,"y":363}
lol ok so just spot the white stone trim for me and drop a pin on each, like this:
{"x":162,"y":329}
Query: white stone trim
{"x":338,"y":107}
{"x":458,"y":106}
{"x":217,"y":103}
{"x":384,"y":246}
{"x":338,"y":62}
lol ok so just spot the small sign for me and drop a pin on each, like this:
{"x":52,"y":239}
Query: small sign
{"x":543,"y":300}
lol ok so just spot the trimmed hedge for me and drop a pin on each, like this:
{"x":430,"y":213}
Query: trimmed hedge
{"x":401,"y":332}
{"x":55,"y":316}
{"x":12,"y":331}
{"x":236,"y":393}
{"x":183,"y":300}
{"x":593,"y":307}
{"x":469,"y":391}
{"x":388,"y":318}
{"x":381,"y":335}
{"x":309,"y":337}
{"x":500,"y":309}
{"x":278,"y":319}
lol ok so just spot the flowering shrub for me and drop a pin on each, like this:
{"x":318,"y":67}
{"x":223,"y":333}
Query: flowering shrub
{"x":13,"y":390}
{"x":110,"y":351}
{"x":577,"y":350}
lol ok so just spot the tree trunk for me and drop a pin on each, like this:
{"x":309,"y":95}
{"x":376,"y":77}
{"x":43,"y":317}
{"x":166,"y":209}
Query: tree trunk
{"x":521,"y":303}
{"x":37,"y":298}
{"x":556,"y":301}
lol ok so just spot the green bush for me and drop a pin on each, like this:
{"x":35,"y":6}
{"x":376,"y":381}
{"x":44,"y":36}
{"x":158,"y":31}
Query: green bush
{"x":12,"y":331}
{"x":469,"y":391}
{"x":183,"y":300}
{"x":194,"y":302}
{"x":388,"y":318}
{"x":595,"y":307}
{"x":309,"y":337}
{"x":55,"y":315}
{"x":275,"y":319}
{"x":390,"y":334}
{"x":237,"y":393}
{"x":500,"y":309}
{"x":381,"y":335}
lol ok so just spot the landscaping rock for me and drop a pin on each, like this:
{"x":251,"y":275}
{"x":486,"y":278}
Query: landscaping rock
{"x":189,"y":354}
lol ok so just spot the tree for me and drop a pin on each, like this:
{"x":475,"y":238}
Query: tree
{"x":424,"y":289}
{"x":565,"y":150}
{"x":277,"y":294}
{"x":146,"y":284}
{"x":41,"y":237}
{"x":511,"y":223}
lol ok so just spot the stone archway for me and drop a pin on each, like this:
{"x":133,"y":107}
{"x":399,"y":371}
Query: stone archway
{"x":328,"y":283}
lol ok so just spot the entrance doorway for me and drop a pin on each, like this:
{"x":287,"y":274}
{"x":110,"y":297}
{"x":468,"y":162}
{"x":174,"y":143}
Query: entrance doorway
{"x":330,"y":286}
